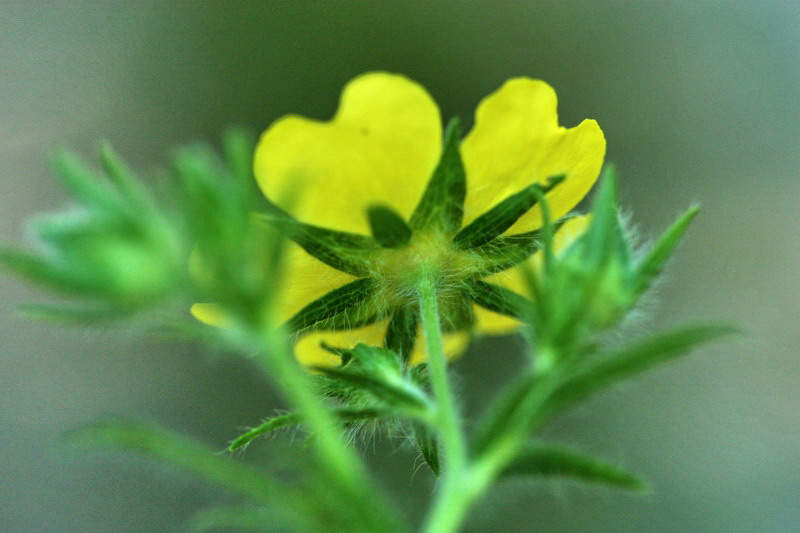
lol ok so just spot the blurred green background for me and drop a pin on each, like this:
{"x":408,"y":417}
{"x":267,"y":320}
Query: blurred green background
{"x":699,"y":102}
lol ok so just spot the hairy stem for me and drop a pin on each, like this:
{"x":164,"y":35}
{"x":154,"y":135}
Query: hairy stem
{"x":344,"y":468}
{"x":453,"y":499}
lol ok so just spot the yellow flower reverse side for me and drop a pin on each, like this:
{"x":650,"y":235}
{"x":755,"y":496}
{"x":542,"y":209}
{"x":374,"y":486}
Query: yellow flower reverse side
{"x":381,"y":148}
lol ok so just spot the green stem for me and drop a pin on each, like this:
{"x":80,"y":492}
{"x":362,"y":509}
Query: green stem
{"x":344,"y":468}
{"x":455,"y":495}
{"x":448,"y":419}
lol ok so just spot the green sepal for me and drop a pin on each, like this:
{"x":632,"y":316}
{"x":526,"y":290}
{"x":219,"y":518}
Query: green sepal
{"x":507,"y":251}
{"x":605,"y":237}
{"x":348,"y":252}
{"x":498,"y":299}
{"x":442,"y":205}
{"x":345,"y":299}
{"x":388,"y":228}
{"x":653,"y":263}
{"x":401,"y":334}
{"x":344,"y":414}
{"x":428,"y":446}
{"x":541,"y":460}
{"x":606,"y":370}
{"x":376,"y":361}
{"x":395,"y":394}
{"x":502,"y":216}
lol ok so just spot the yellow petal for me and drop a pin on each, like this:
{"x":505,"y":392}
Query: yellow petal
{"x":455,"y":344}
{"x":491,"y":323}
{"x":309,"y":349}
{"x":305,"y":279}
{"x":380,"y":148}
{"x":516,"y":141}
{"x":210,"y":314}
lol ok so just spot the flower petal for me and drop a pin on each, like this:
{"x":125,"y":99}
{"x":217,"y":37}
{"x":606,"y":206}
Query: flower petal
{"x":380,"y":148}
{"x":491,"y":323}
{"x":309,"y":349}
{"x":305,"y":279}
{"x":516,"y":140}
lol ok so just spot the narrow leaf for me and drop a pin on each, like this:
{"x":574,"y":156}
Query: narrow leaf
{"x":239,"y":145}
{"x":349,"y":252}
{"x":550,"y":461}
{"x":652,"y":265}
{"x":83,"y":182}
{"x":334,"y":303}
{"x":498,"y":299}
{"x":140,"y":438}
{"x":398,"y":395}
{"x":504,"y":252}
{"x":600,"y":238}
{"x":375,"y":360}
{"x":345,"y":414}
{"x":442,"y":204}
{"x":502,"y":216}
{"x":402,"y":332}
{"x":34,"y":268}
{"x":122,"y":176}
{"x":606,"y":371}
{"x":388,"y":228}
{"x":428,"y":446}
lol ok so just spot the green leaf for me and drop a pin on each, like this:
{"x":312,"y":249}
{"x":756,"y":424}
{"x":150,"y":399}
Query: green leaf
{"x":349,"y":252}
{"x":498,"y":299}
{"x":549,"y":461}
{"x":336,"y":302}
{"x":123,"y":177}
{"x":402,"y":331}
{"x":344,"y":414}
{"x":140,"y":438}
{"x":607,"y":370}
{"x":239,"y":145}
{"x":428,"y":446}
{"x":442,"y":205}
{"x":84,"y":183}
{"x":388,"y":228}
{"x":35,"y":269}
{"x":652,"y":265}
{"x":502,"y":216}
{"x":397,"y":394}
{"x":375,"y":360}
{"x":605,"y":236}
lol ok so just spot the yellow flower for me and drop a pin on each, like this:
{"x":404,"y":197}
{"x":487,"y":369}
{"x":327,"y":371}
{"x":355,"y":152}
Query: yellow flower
{"x":381,"y":149}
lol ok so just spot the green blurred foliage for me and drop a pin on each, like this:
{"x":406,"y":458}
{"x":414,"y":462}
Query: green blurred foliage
{"x":697,"y":99}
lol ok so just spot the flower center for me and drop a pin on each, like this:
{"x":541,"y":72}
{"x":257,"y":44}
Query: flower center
{"x":399,"y":270}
